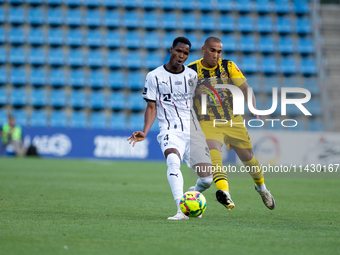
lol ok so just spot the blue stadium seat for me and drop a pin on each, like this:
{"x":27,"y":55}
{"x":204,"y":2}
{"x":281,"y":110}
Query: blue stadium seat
{"x":282,"y":6}
{"x":289,"y":82}
{"x":75,"y":57}
{"x":254,"y":83}
{"x":301,"y":7}
{"x":208,"y":22}
{"x":246,"y":24}
{"x":188,"y":21}
{"x":110,"y":3}
{"x":169,"y":21}
{"x":36,"y":36}
{"x":36,"y":16}
{"x":3,"y":116}
{"x":78,"y":120}
{"x":18,"y":97}
{"x":57,"y":77}
{"x":73,"y":3}
{"x":2,"y":15}
{"x":227,"y":23}
{"x":38,"y":118}
{"x":112,"y":18}
{"x":265,"y":24}
{"x":233,"y":57}
{"x":286,"y":45}
{"x":57,"y":98}
{"x":167,"y":4}
{"x":133,"y":39}
{"x":96,"y":78}
{"x":58,"y":119}
{"x":2,"y":35}
{"x":94,"y":38}
{"x":229,"y":42}
{"x":151,"y":40}
{"x":3,"y":74}
{"x":149,"y":4}
{"x":243,"y":6}
{"x":305,"y":45}
{"x":74,"y":17}
{"x":288,"y":65}
{"x":136,"y":121}
{"x":150,"y":20}
{"x":131,"y":19}
{"x":116,"y":80}
{"x":263,"y":6}
{"x":224,"y":5}
{"x":17,"y":56}
{"x":74,"y":37}
{"x":38,"y":76}
{"x":308,"y":66}
{"x":315,"y":125}
{"x":135,"y":80}
{"x":314,"y":107}
{"x":77,"y":78}
{"x":312,"y":85}
{"x":269,"y":65}
{"x":153,"y":60}
{"x":98,"y":120}
{"x":247,"y":43}
{"x":303,"y":26}
{"x":54,"y":2}
{"x":118,"y":121}
{"x":55,"y":16}
{"x":38,"y":97}
{"x":195,"y":40}
{"x":269,"y":83}
{"x":3,"y":53}
{"x":114,"y":59}
{"x":134,"y":60}
{"x":192,"y":57}
{"x":186,"y":5}
{"x":37,"y":56}
{"x":34,"y":2}
{"x":168,"y":39}
{"x":206,"y":5}
{"x":16,"y":35}
{"x":16,"y":15}
{"x":56,"y":57}
{"x":249,"y":64}
{"x":3,"y":96}
{"x":267,"y":44}
{"x":93,"y":18}
{"x":97,"y":100}
{"x":284,"y":25}
{"x":117,"y":101}
{"x":18,"y":76}
{"x":92,"y":3}
{"x":77,"y":99}
{"x":55,"y":36}
{"x":20,"y":117}
{"x":95,"y":58}
{"x":129,"y":4}
{"x":113,"y":39}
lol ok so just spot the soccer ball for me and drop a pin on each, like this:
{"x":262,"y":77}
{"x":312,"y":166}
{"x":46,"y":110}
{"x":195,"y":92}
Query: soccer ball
{"x":193,"y":203}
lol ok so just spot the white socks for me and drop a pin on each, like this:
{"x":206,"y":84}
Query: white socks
{"x":203,"y":183}
{"x":175,"y":177}
{"x":261,"y":188}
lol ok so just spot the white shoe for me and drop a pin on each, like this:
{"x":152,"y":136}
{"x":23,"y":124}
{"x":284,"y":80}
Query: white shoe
{"x":199,"y":217}
{"x":192,"y":188}
{"x":267,"y":198}
{"x":179,"y":216}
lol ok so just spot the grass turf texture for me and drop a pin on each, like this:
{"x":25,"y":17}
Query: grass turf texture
{"x":86,"y":207}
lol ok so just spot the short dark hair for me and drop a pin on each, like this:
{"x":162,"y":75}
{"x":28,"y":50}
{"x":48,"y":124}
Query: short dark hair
{"x":181,"y":39}
{"x":212,"y":39}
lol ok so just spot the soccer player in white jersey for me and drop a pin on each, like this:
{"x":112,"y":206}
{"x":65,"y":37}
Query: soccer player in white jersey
{"x":168,"y":91}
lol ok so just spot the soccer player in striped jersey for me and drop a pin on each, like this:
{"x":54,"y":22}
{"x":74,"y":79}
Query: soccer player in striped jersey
{"x":212,"y":70}
{"x":168,"y":91}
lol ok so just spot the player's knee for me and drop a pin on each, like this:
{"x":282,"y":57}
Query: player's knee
{"x":207,"y":181}
{"x":173,"y":161}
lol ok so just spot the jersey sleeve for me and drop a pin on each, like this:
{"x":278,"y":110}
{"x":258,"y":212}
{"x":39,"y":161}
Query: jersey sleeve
{"x":235,"y":74}
{"x":149,"y":92}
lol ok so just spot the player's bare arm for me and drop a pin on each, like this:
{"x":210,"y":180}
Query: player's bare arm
{"x":149,"y":118}
{"x":244,"y":87}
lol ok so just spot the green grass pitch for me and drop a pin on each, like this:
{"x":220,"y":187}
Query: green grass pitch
{"x":114,"y":207}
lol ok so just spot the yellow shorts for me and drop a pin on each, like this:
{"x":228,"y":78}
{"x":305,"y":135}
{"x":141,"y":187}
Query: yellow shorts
{"x":237,"y":135}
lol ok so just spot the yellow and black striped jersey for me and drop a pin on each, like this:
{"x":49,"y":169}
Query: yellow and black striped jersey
{"x":226,"y":72}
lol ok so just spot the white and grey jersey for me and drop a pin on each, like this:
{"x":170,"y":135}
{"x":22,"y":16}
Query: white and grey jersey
{"x":172,"y":93}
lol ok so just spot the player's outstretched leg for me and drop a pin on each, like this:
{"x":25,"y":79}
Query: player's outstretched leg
{"x":255,"y":171}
